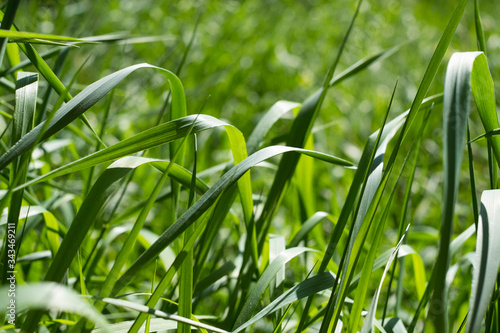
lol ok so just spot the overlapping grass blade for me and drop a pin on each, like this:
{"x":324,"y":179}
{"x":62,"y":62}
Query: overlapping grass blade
{"x":301,"y":129}
{"x":7,"y":21}
{"x":486,"y":260}
{"x":372,"y":177}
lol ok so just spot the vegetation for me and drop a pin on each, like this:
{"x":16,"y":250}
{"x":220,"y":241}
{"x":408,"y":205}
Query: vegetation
{"x":251,"y":166}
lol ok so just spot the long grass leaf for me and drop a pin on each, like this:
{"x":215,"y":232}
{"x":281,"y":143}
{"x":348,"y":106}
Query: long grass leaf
{"x":82,"y":102}
{"x":455,"y":114}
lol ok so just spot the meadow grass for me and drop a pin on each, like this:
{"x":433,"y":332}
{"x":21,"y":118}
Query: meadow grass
{"x":132,"y":204}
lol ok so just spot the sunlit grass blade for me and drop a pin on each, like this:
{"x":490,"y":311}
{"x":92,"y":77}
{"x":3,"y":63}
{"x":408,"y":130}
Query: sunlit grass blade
{"x":279,"y":109}
{"x":307,"y":227}
{"x":52,"y":297}
{"x":486,"y":260}
{"x":481,"y":42}
{"x":156,"y":324}
{"x":28,"y":37}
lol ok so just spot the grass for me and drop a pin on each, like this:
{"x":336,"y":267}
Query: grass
{"x":176,"y":203}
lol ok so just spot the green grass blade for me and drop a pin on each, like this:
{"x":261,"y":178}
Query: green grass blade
{"x":486,"y":260}
{"x":307,"y":227}
{"x":372,"y":177}
{"x":172,"y":270}
{"x":29,"y":37}
{"x":99,"y":194}
{"x":455,"y":114}
{"x":484,"y":96}
{"x":156,"y":324}
{"x":7,"y":21}
{"x":265,"y":123}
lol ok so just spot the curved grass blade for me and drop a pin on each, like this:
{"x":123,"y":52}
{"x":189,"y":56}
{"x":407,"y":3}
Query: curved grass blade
{"x":278,"y":110}
{"x":82,"y":102}
{"x":486,"y":260}
{"x":209,"y":198}
{"x":265,"y":280}
{"x":53,"y":297}
{"x":459,"y":77}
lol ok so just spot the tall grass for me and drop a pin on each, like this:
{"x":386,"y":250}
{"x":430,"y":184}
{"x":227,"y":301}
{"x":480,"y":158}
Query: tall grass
{"x":190,"y":222}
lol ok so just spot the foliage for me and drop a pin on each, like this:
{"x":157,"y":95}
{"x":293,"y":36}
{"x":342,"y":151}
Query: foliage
{"x":249,"y":166}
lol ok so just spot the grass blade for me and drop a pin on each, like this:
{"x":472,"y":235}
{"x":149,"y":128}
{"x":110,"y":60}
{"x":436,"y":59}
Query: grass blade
{"x":82,"y":102}
{"x":486,"y":260}
{"x":455,"y":115}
